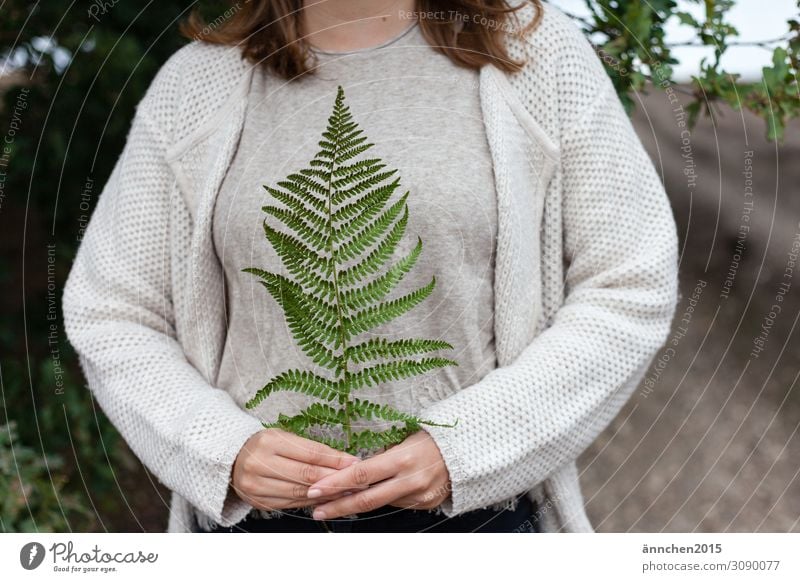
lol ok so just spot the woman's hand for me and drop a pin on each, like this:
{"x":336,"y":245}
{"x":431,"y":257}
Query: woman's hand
{"x":274,"y":468}
{"x":411,"y":474}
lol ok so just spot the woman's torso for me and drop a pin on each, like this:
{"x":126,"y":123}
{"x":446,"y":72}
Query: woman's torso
{"x":423,"y":115}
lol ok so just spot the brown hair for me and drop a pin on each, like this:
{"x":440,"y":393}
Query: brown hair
{"x":269,"y":32}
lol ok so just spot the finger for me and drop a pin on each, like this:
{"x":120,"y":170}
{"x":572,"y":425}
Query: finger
{"x":279,"y":503}
{"x":357,"y":475}
{"x":363,"y":501}
{"x":302,"y":449}
{"x":287,"y":469}
{"x":280,"y":489}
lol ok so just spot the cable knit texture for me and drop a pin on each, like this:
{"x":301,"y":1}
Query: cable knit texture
{"x":585,"y":283}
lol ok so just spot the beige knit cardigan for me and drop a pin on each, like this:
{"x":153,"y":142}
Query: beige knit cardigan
{"x":585,"y":283}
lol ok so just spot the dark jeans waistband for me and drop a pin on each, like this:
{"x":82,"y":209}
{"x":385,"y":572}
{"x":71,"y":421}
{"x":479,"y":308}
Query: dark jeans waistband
{"x":523,"y":519}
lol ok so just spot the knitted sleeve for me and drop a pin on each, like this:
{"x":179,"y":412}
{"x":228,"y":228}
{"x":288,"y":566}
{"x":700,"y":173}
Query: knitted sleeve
{"x":522,"y":422}
{"x":118,"y":315}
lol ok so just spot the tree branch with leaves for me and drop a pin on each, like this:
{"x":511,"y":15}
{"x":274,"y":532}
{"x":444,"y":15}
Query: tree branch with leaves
{"x":629,"y":35}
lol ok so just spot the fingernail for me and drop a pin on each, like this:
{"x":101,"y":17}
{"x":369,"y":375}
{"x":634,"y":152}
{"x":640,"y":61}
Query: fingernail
{"x":354,"y":461}
{"x":319,"y":514}
{"x":314,"y":492}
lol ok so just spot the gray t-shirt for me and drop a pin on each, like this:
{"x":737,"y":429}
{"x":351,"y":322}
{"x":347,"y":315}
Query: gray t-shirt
{"x":423,"y":115}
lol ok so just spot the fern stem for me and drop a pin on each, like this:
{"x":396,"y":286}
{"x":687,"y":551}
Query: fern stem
{"x":345,"y":398}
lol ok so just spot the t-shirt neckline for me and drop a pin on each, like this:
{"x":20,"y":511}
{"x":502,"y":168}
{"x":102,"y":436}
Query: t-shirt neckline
{"x":369,"y":48}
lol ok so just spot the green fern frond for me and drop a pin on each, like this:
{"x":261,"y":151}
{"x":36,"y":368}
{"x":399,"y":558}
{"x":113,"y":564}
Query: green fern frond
{"x":366,"y":410}
{"x":310,"y":233}
{"x":280,"y":287}
{"x":382,"y":348}
{"x":369,"y":439}
{"x":357,"y":188}
{"x":298,"y":202}
{"x":364,"y":209}
{"x":335,"y":211}
{"x":388,"y":371}
{"x":297,"y":381}
{"x":370,"y":233}
{"x":380,"y":287}
{"x":331,"y":442}
{"x":305,"y":187}
{"x":317,"y":414}
{"x":374,"y":163}
{"x":371,"y":317}
{"x":376,"y":258}
{"x":295,"y":255}
{"x":307,"y":332}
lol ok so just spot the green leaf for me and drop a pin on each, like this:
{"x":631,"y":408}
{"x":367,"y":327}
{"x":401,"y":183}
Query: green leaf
{"x":371,"y":317}
{"x":296,"y":256}
{"x":297,"y":381}
{"x":298,"y":198}
{"x":775,"y":127}
{"x":312,"y":234}
{"x":331,"y":442}
{"x":388,"y":371}
{"x":383,"y":348}
{"x":306,"y":329}
{"x":369,"y":234}
{"x":377,"y":257}
{"x":380,"y":287}
{"x":687,"y":18}
{"x":369,"y":439}
{"x":315,"y":309}
{"x":356,"y":214}
{"x":317,"y":414}
{"x":364,"y":409}
{"x":363,"y":210}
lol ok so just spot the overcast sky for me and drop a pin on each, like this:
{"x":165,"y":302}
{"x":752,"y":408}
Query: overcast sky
{"x":756,"y":20}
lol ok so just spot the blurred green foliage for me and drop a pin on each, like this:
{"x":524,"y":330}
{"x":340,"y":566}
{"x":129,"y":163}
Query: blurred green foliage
{"x":84,"y":75}
{"x":629,"y":36}
{"x":85,"y":66}
{"x":34,"y":498}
